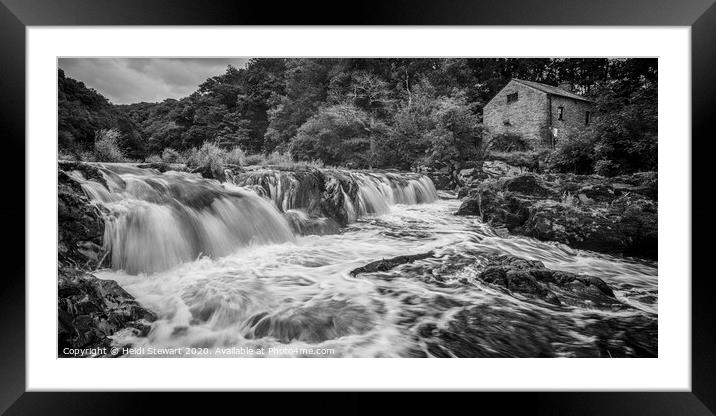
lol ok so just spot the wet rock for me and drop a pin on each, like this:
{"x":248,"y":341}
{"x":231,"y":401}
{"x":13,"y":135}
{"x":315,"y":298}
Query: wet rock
{"x":529,"y":184}
{"x":440,"y":176}
{"x":470,"y":207}
{"x":80,"y":225}
{"x":494,"y":169}
{"x":90,"y":310}
{"x":584,"y":212}
{"x":326,"y":193}
{"x":388,"y":264}
{"x":329,"y":193}
{"x":533,"y":279}
{"x":472,"y":175}
{"x":598,"y":193}
{"x":211,"y":172}
{"x":302,"y":224}
{"x":337,"y":198}
{"x":642,"y":183}
{"x":88,"y":170}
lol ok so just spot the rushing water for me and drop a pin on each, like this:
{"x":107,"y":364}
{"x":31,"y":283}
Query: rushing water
{"x":225,"y":274}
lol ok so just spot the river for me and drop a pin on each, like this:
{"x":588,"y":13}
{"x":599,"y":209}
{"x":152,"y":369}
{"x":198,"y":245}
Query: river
{"x":227,"y":276}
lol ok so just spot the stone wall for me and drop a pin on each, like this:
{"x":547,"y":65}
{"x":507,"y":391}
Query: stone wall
{"x":529,"y":116}
{"x":573,"y":116}
{"x":526,"y":117}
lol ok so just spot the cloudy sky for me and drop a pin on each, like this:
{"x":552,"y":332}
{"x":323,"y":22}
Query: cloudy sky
{"x":131,"y":80}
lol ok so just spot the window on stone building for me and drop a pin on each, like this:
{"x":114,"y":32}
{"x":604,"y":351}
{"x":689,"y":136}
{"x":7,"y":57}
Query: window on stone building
{"x":587,"y":118}
{"x":560,"y":110}
{"x":511,"y":98}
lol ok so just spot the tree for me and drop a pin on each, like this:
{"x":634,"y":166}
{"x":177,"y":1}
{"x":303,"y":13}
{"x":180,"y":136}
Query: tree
{"x":374,"y":112}
{"x":305,"y":90}
{"x":338,"y":135}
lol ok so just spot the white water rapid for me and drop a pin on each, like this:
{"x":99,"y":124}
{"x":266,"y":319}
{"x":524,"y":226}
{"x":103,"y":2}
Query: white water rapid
{"x":226,"y":275}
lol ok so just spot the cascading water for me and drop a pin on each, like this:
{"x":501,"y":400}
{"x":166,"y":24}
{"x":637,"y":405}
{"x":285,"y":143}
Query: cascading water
{"x":375,"y":192}
{"x":156,"y":221}
{"x":221,"y":268}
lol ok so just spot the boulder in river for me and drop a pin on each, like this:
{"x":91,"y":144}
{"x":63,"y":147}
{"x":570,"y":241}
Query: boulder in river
{"x":387,"y":264}
{"x":532,"y":279}
{"x":610,"y":215}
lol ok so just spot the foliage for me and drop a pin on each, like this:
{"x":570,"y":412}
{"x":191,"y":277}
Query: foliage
{"x":64,"y":155}
{"x":235,"y":156}
{"x":83,"y":111}
{"x":106,"y":146}
{"x":208,"y":156}
{"x":624,"y":137}
{"x":368,"y":112}
{"x":341,"y":134}
{"x":457,"y":137}
{"x":626,"y":141}
{"x":211,"y":156}
{"x":575,"y":155}
{"x":154,"y":159}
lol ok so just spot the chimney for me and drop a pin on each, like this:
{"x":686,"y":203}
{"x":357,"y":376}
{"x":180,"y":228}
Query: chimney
{"x":565,"y":85}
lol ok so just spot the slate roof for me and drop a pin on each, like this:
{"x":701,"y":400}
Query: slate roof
{"x":549,"y":89}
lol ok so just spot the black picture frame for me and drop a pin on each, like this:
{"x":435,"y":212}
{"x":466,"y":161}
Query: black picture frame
{"x":16,"y":15}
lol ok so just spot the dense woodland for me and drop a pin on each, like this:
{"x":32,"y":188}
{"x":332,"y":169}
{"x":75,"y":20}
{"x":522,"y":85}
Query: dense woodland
{"x":367,"y":113}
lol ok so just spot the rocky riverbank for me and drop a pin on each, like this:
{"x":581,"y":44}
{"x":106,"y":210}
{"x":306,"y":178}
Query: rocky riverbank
{"x":90,"y":310}
{"x":611,"y":215}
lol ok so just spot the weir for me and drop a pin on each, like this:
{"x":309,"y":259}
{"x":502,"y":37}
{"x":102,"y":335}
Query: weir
{"x":322,"y":192}
{"x":154,"y":221}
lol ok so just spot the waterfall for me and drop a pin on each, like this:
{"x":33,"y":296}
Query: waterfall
{"x":155,"y":222}
{"x":305,"y":190}
{"x":378,"y":191}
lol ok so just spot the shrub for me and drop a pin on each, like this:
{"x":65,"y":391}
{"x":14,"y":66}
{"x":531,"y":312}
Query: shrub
{"x":278,"y":158}
{"x":574,"y":155}
{"x":106,"y":146}
{"x":86,"y":156}
{"x":208,"y":156}
{"x":153,"y":159}
{"x":211,"y":156}
{"x":256,"y":159}
{"x":63,"y":155}
{"x":282,"y":159}
{"x":235,"y":156}
{"x":170,"y":155}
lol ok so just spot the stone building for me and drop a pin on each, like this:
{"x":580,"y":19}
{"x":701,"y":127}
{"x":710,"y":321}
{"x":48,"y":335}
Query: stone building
{"x":540,"y":114}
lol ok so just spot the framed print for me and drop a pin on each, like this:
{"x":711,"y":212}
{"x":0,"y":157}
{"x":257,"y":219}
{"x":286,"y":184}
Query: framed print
{"x":437,"y":199}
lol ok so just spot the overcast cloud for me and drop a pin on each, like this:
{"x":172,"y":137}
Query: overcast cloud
{"x":131,"y":80}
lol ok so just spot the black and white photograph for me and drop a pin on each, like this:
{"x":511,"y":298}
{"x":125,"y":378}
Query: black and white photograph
{"x":313,"y":207}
